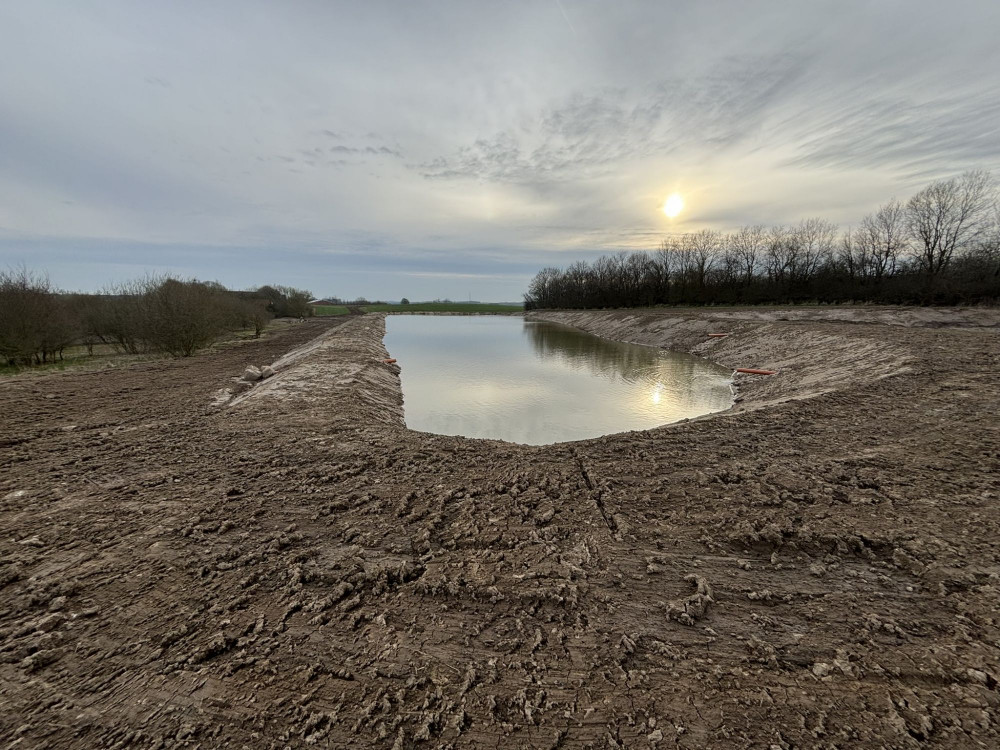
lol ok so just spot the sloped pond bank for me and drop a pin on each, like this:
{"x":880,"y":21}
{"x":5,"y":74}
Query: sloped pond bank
{"x":816,"y":567}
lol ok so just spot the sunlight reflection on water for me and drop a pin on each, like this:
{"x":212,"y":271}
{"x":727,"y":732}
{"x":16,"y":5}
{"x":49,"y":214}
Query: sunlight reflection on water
{"x":506,"y":378}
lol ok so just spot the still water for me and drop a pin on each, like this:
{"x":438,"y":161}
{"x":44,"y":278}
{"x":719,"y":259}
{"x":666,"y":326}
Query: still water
{"x":506,"y":378}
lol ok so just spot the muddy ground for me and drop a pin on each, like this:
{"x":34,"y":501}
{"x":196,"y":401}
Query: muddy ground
{"x":291,"y":567}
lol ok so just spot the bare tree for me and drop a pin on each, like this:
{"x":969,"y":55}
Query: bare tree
{"x":747,"y":246}
{"x":542,"y":289}
{"x":576,"y":278}
{"x":665,"y":267}
{"x":810,"y":247}
{"x":637,"y":270}
{"x":778,"y":254}
{"x":853,"y":256}
{"x":35,"y":322}
{"x":185,"y":316}
{"x":948,"y":216}
{"x":982,"y":260}
{"x":991,"y":239}
{"x":704,"y":247}
{"x":119,"y":315}
{"x":241,"y":312}
{"x":289,"y":302}
{"x":882,"y":237}
{"x":957,"y":223}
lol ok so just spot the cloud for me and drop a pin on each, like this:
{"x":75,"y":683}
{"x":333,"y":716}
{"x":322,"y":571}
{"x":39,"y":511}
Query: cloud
{"x":922,"y":137}
{"x":400,"y":145}
{"x":451,"y":275}
{"x":589,"y":134}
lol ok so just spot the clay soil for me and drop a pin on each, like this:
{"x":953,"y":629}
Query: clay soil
{"x":290,"y":566}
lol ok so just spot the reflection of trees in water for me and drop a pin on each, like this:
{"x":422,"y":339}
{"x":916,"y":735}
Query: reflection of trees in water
{"x":676,"y":378}
{"x":599,"y":356}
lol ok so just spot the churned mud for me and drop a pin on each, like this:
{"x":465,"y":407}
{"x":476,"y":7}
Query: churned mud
{"x":186,"y":561}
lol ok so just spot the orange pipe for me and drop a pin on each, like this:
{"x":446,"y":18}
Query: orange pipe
{"x":717,"y":335}
{"x":751,"y":371}
{"x":389,"y":361}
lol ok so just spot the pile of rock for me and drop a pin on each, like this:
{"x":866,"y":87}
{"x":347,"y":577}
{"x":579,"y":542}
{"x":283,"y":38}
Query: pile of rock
{"x":250,"y":377}
{"x":253,"y":374}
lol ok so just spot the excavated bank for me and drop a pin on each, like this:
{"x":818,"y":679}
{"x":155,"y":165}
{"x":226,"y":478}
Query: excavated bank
{"x":815,"y":568}
{"x":342,"y":369}
{"x":811,"y":359}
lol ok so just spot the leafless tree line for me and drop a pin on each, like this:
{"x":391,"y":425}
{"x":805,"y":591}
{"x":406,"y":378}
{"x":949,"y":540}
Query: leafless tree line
{"x":942,"y":246}
{"x":154,"y":314}
{"x":35,"y":324}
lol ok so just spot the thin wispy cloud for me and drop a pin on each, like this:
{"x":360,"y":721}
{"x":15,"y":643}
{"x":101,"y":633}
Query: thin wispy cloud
{"x":450,"y":275}
{"x":566,"y":17}
{"x":590,"y":134}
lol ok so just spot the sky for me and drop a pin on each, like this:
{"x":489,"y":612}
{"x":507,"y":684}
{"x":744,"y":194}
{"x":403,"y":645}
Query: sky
{"x":450,"y":149}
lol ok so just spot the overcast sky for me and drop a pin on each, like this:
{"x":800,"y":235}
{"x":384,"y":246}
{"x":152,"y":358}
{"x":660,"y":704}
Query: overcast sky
{"x":448,"y":149}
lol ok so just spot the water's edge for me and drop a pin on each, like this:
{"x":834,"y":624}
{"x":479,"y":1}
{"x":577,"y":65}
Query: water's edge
{"x":461,"y":379}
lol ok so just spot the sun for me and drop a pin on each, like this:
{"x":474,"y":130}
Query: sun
{"x":673,"y":205}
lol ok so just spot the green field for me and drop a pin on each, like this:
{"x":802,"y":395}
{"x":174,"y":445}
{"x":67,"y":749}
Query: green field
{"x":330,"y":309}
{"x":456,"y":307}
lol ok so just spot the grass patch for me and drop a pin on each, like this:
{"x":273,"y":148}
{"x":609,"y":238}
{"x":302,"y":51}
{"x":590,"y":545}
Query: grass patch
{"x":57,"y":366}
{"x":456,"y":307}
{"x":102,"y":356}
{"x":78,"y":358}
{"x":325,"y":310}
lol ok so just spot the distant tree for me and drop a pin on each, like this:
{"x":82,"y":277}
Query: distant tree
{"x":169,"y":315}
{"x":747,"y":247}
{"x":948,"y":216}
{"x":185,"y":316}
{"x":36,"y":323}
{"x":256,"y":316}
{"x":120,"y":317}
{"x":296,"y":302}
{"x":777,"y":256}
{"x":287,"y":301}
{"x":663,"y":267}
{"x":704,"y":247}
{"x":881,"y":240}
{"x":404,"y":301}
{"x":852,"y":257}
{"x":941,"y":246}
{"x":269,"y":293}
{"x":977,"y":269}
{"x":811,"y":244}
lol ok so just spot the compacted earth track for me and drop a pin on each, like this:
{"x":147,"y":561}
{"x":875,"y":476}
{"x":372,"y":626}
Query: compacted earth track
{"x":288,"y":566}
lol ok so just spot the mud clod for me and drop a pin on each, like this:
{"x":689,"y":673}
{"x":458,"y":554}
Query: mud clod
{"x":693,"y":608}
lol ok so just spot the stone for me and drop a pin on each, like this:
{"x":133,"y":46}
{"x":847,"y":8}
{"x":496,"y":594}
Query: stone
{"x":821,"y":670}
{"x":251,"y":374}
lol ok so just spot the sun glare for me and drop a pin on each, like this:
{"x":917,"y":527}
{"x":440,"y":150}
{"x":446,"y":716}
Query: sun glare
{"x":673,"y":205}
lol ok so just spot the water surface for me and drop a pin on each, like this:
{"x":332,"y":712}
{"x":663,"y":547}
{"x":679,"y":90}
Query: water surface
{"x":506,"y":378}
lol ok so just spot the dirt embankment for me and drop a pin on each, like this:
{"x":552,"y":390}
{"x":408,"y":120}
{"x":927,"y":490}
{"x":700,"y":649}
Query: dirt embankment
{"x":299,"y":570}
{"x":343,"y":370}
{"x":812,"y":357}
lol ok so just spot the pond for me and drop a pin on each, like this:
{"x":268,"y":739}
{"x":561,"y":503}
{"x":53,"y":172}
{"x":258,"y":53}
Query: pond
{"x":506,"y":378}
